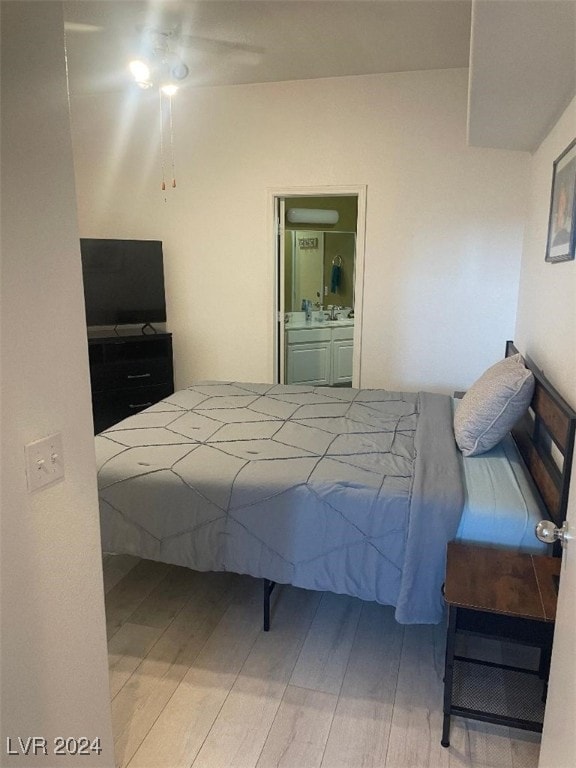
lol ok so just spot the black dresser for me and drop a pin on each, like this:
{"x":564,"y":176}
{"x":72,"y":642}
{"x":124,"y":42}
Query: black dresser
{"x":128,"y":374}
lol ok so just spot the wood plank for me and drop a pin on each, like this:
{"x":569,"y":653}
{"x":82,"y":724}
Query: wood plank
{"x":545,"y":474}
{"x":115,"y":567}
{"x":361,"y":724}
{"x":126,"y":651}
{"x":165,"y":601}
{"x":324,"y":657}
{"x":556,"y":420}
{"x":546,"y":568}
{"x":300,"y":730}
{"x":139,"y":703}
{"x":241,"y":728}
{"x":492,"y":746}
{"x":417,"y":717}
{"x":126,"y":596}
{"x":525,"y":749}
{"x":492,"y":580}
{"x":180,"y":730}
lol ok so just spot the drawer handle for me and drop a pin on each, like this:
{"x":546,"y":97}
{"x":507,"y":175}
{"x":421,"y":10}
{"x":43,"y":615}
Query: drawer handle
{"x":138,"y":376}
{"x":139,"y":405}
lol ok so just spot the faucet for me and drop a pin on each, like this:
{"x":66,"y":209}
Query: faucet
{"x":333,"y":309}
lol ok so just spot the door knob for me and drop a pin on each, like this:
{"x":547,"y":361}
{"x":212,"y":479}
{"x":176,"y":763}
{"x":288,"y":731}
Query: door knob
{"x":547,"y":532}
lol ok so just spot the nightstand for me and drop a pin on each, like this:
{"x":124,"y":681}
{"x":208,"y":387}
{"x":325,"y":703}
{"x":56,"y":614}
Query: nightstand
{"x":511,"y":597}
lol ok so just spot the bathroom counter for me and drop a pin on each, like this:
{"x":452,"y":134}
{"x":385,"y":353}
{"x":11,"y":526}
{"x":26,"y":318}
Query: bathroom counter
{"x":315,"y":324}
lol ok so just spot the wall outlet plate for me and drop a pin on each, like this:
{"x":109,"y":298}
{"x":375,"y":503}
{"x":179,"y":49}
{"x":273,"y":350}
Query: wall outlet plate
{"x":44,"y":462}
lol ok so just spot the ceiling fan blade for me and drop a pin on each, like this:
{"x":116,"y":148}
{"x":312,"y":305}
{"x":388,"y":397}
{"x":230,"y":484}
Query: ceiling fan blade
{"x":212,"y":43}
{"x":74,"y":26}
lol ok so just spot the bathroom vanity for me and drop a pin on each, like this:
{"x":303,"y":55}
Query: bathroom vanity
{"x":319,"y":353}
{"x":319,"y":272}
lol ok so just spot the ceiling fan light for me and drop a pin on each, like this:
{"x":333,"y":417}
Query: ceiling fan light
{"x":169,"y":89}
{"x":140,"y":70}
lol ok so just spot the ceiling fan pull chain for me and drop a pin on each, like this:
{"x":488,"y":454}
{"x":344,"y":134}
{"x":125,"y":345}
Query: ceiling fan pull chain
{"x":163,"y":186}
{"x":172,"y":142}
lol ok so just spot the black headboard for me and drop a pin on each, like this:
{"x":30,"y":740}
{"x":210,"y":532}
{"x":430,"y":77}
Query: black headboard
{"x":545,"y":439}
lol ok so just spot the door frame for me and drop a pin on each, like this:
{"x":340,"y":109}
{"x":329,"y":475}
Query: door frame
{"x":276,"y":233}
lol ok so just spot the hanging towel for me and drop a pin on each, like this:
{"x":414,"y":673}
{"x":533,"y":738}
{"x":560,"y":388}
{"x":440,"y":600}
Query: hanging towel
{"x":335,"y":278}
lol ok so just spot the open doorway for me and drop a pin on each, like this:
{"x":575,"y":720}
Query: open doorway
{"x":319,"y":258}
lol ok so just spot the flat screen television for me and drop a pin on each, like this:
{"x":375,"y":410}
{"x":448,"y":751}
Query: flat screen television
{"x":123,"y":281}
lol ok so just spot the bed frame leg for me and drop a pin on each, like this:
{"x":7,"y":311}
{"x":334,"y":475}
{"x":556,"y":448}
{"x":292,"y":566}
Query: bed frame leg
{"x":268,"y":587}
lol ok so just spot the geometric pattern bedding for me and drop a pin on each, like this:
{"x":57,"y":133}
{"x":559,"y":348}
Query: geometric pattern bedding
{"x":347,"y":490}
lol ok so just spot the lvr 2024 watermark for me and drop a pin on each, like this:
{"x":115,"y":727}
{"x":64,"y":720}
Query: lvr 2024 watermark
{"x":60,"y":745}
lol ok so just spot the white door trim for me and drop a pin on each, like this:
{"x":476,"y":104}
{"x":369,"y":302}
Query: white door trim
{"x":558,"y":745}
{"x":360,"y":191}
{"x":280,"y":290}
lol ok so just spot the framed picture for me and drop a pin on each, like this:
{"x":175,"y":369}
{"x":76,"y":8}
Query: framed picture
{"x":562,"y":223}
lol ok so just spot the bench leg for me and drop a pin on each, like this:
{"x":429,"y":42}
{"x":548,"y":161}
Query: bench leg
{"x":544,"y":669}
{"x":268,"y":587}
{"x":445,"y":742}
{"x":449,"y":674}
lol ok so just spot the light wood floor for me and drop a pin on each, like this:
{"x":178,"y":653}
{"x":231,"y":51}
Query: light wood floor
{"x":336,"y":682}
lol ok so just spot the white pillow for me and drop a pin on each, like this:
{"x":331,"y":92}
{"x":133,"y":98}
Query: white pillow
{"x":492,"y":405}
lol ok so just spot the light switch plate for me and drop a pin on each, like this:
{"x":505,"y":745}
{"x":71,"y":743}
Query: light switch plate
{"x":44,"y":462}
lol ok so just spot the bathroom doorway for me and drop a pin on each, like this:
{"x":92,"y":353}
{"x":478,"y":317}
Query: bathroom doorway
{"x":319,"y":260}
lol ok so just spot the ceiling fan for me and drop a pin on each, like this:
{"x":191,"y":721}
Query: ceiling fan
{"x":162,"y":38}
{"x":165,"y":51}
{"x":169,"y":48}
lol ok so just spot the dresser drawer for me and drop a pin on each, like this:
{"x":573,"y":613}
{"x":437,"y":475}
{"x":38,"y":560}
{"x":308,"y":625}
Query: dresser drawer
{"x":130,"y":373}
{"x":112,"y":406}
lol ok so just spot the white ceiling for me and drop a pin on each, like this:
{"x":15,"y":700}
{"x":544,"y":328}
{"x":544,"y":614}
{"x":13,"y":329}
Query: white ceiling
{"x":521,"y":53}
{"x":522,"y":71}
{"x":269,"y":40}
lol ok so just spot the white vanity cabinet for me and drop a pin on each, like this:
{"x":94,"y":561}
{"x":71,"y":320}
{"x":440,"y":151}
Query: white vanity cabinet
{"x":308,"y":356}
{"x":319,"y":355}
{"x":342,"y":349}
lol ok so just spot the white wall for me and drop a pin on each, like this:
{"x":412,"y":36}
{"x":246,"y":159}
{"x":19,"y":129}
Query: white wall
{"x":546,"y":324}
{"x":444,"y":222}
{"x":53,"y":659}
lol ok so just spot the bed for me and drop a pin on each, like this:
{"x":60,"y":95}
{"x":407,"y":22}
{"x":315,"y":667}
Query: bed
{"x":347,"y":490}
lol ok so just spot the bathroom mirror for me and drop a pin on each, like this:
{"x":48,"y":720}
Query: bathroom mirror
{"x":319,"y":266}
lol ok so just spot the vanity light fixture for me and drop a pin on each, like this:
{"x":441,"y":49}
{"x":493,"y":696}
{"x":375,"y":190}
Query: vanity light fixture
{"x":312,"y":216}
